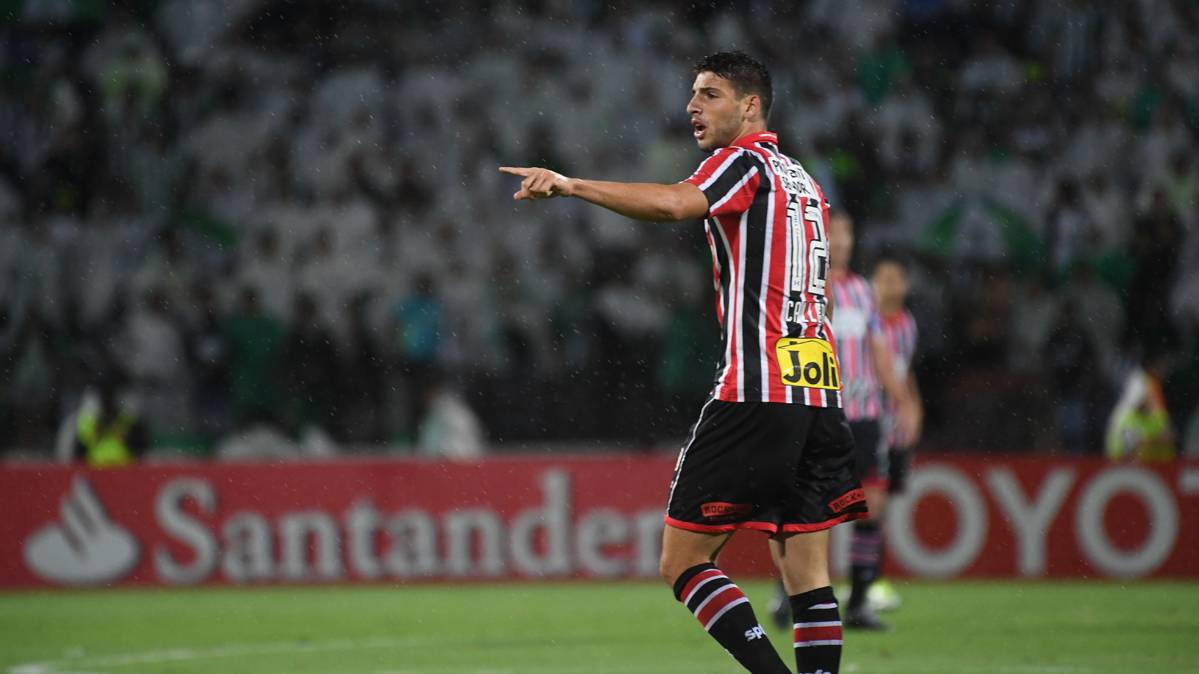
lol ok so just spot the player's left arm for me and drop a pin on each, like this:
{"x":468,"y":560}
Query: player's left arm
{"x":642,"y":201}
{"x":910,"y":414}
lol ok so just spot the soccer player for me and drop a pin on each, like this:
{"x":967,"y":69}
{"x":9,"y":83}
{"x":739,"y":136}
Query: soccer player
{"x":898,"y":326}
{"x":868,"y":370}
{"x":771,"y":450}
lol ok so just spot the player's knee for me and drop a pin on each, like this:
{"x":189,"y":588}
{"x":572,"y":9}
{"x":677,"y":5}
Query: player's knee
{"x":804,"y":579}
{"x":668,"y":568}
{"x":671,"y":565}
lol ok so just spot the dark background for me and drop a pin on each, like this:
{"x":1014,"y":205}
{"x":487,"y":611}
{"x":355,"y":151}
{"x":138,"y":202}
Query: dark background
{"x":287,"y":213}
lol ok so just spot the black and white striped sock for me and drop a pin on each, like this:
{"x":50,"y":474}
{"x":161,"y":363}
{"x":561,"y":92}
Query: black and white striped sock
{"x":817,"y":631}
{"x":724,"y":611}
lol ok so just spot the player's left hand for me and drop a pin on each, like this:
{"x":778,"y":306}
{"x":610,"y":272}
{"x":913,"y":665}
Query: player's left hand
{"x":538,"y":183}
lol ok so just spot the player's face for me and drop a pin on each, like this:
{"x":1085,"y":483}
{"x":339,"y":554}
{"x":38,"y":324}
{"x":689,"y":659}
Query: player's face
{"x":890,"y":283}
{"x":716,"y":112}
{"x":840,"y":241}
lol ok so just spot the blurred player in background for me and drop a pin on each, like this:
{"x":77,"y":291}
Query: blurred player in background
{"x":869,"y":371}
{"x":898,"y":326}
{"x":771,"y":450}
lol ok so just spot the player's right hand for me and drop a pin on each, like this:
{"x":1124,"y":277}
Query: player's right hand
{"x":908,"y":422}
{"x":538,"y":183}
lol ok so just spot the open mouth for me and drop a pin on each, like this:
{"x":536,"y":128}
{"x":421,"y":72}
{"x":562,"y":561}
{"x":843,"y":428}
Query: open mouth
{"x":698,"y":128}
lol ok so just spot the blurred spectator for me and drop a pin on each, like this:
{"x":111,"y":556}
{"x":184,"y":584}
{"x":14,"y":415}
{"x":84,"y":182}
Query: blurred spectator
{"x":360,"y":378}
{"x":449,"y":428}
{"x":30,"y":377}
{"x":321,"y":276}
{"x":260,"y":440}
{"x":106,"y":431}
{"x":987,"y":325}
{"x":1155,"y":249}
{"x":310,"y":361}
{"x":1180,"y":183}
{"x":990,"y":68}
{"x":1108,"y":210}
{"x":1100,"y":314}
{"x":1070,"y":357}
{"x":152,"y":351}
{"x":1139,"y":427}
{"x":1035,"y":314}
{"x":256,"y":342}
{"x":210,"y":353}
{"x":1071,"y":234}
{"x":418,"y":329}
{"x":267,"y":270}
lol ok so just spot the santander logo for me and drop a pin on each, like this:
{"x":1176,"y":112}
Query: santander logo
{"x":406,"y":521}
{"x":84,"y":547}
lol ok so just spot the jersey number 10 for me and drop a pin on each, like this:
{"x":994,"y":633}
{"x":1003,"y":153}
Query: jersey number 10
{"x":817,"y":251}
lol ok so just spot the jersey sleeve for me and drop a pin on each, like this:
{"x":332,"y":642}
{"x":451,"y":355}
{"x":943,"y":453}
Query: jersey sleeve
{"x":728,"y":179}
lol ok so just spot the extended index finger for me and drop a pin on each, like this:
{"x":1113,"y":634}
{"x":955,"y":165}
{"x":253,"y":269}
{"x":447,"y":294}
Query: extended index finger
{"x":516,"y":171}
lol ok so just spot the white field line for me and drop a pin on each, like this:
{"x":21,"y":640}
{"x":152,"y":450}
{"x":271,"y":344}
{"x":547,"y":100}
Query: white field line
{"x":86,"y":665}
{"x":82,"y":665}
{"x":852,"y":667}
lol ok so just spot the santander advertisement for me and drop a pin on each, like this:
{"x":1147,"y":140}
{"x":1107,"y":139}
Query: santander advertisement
{"x":553,"y":518}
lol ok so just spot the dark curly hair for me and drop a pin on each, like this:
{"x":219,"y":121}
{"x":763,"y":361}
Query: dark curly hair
{"x":891,"y":256}
{"x":746,"y":73}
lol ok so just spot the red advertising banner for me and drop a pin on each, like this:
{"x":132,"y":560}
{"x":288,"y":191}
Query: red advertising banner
{"x":557,"y":517}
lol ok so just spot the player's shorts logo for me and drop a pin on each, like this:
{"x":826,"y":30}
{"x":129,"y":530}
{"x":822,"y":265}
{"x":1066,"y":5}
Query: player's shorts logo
{"x":808,"y":362}
{"x":715,"y":510}
{"x":844,"y":501}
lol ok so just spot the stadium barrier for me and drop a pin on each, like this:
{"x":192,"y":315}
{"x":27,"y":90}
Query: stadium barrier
{"x":555,"y":517}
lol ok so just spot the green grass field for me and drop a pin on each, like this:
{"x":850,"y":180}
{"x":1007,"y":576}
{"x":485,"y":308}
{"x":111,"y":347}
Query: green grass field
{"x":579,"y":628}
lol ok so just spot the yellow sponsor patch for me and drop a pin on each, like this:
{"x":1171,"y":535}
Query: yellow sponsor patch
{"x":808,"y":362}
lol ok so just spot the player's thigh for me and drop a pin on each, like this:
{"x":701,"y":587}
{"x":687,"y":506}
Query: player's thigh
{"x":802,"y":560}
{"x":876,"y":499}
{"x":683,"y":549}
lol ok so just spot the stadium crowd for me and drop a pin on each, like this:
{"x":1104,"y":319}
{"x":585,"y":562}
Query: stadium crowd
{"x":231,"y":213}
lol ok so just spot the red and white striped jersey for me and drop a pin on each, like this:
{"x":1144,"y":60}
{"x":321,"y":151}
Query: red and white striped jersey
{"x":766,"y":227}
{"x":856,"y":323}
{"x":899,"y":332}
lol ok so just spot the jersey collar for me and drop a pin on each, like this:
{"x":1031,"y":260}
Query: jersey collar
{"x":749,"y":139}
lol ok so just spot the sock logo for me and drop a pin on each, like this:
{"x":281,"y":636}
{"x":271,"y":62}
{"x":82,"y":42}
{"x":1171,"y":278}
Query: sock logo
{"x":756,"y":632}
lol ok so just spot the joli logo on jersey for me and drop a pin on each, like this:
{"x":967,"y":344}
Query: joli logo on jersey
{"x":808,"y":362}
{"x":85,"y":547}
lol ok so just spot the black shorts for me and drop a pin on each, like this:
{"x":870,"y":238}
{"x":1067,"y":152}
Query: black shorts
{"x":899,"y":465}
{"x":772,"y":467}
{"x":869,"y":454}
